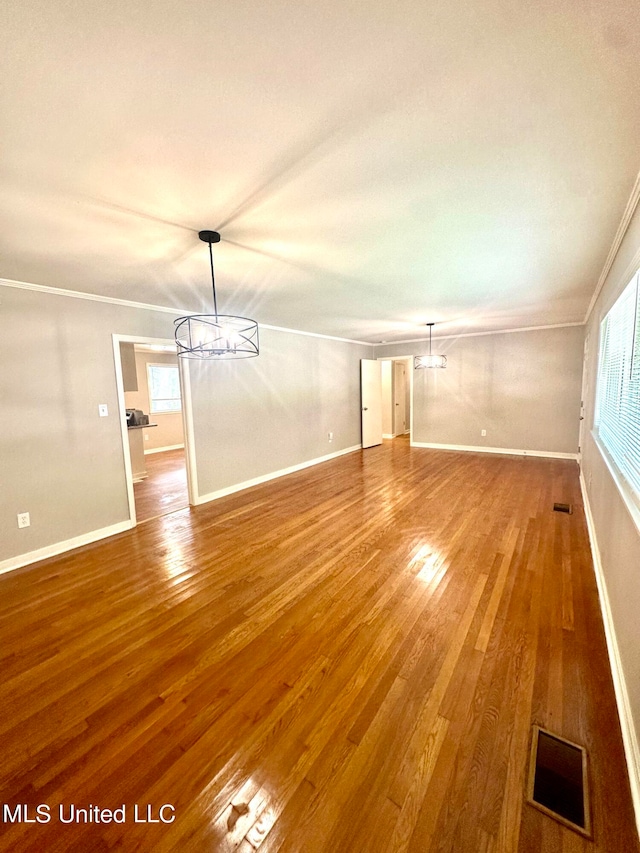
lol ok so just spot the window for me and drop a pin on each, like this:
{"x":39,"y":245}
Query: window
{"x":164,"y":388}
{"x":617,"y":415}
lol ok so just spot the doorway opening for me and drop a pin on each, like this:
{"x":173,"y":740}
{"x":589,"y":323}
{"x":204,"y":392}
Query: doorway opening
{"x":397,"y":397}
{"x":155,"y":413}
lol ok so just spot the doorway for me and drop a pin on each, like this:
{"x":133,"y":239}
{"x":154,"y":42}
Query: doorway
{"x":155,"y":413}
{"x":397,"y":396}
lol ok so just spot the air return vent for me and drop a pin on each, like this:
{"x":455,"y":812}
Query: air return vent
{"x":563,"y":508}
{"x":558,"y":780}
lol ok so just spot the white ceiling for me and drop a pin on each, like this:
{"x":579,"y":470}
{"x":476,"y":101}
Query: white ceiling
{"x":372,"y":165}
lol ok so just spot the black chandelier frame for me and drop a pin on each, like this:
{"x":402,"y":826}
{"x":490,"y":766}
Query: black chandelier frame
{"x":216,"y":336}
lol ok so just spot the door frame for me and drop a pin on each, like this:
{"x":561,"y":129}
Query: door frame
{"x":187,"y":418}
{"x":583,"y":395}
{"x":400,"y":391}
{"x":408,"y":359}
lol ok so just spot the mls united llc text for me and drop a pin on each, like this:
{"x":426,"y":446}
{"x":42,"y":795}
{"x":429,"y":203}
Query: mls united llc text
{"x":43,"y":813}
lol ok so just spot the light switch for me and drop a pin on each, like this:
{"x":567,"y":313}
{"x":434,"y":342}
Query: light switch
{"x":103,"y":410}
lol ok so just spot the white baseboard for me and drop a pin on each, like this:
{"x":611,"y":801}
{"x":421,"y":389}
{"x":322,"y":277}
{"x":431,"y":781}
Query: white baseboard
{"x":551,"y":454}
{"x":60,"y":547}
{"x":21,"y":560}
{"x":388,"y":435}
{"x":162,"y":449}
{"x":256,"y":481}
{"x":629,"y":736}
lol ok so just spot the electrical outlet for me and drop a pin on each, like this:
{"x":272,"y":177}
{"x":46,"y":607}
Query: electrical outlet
{"x":483,"y":432}
{"x":24,"y":520}
{"x":103,"y":411}
{"x":146,"y":438}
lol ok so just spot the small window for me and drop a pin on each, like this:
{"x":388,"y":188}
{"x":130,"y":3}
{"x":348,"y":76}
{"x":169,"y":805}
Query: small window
{"x":617,"y":416}
{"x":164,"y":388}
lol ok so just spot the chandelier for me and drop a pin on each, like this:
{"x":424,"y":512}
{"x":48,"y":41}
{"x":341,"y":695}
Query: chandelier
{"x":217,"y":336}
{"x":430,"y":360}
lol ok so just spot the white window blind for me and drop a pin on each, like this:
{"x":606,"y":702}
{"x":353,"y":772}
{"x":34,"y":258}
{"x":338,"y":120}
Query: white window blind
{"x":164,"y":388}
{"x":617,"y":416}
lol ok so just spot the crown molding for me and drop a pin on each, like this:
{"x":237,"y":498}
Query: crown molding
{"x":623,"y":226}
{"x":89,"y":297}
{"x":479,"y":334}
{"x":315,"y":335}
{"x":126,"y":303}
{"x":177,"y":312}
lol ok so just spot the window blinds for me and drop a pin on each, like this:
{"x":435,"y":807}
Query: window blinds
{"x":618,"y":387}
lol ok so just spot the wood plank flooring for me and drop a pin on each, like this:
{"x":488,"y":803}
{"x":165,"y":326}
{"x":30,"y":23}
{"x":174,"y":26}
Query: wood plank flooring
{"x":348,"y":659}
{"x":165,"y":488}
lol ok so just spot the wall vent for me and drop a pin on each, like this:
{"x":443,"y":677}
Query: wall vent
{"x":557,"y":782}
{"x":563,"y":508}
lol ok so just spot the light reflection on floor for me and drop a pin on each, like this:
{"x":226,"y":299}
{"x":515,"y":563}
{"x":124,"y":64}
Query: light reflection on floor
{"x":248,"y":817}
{"x":175,"y":536}
{"x":427,"y":563}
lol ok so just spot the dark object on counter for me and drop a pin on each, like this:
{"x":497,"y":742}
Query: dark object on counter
{"x":135,"y":417}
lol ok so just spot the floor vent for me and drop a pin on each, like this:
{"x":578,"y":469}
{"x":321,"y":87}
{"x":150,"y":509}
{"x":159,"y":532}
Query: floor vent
{"x":563,"y":508}
{"x":558,"y":780}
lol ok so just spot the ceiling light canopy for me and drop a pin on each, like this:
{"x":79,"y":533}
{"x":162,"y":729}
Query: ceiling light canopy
{"x":216,"y":336}
{"x":430,"y":360}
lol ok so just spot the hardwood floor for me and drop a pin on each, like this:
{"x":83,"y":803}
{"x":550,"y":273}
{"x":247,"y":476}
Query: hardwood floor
{"x":352,"y":655}
{"x":165,"y":489}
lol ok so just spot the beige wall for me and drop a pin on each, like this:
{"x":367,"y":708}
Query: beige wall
{"x":61,"y":462}
{"x":270,"y":413}
{"x":523,"y":388}
{"x":169,"y":430}
{"x":618,"y":536}
{"x":64,"y":464}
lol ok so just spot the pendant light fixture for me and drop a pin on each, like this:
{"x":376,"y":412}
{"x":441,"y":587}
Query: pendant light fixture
{"x":216,"y":336}
{"x":430,"y":360}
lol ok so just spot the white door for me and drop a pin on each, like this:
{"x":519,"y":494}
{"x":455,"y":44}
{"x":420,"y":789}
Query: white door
{"x":585,"y":365}
{"x":399,"y":397}
{"x":371,"y":397}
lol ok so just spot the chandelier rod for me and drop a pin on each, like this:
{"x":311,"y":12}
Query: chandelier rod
{"x":213,"y":282}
